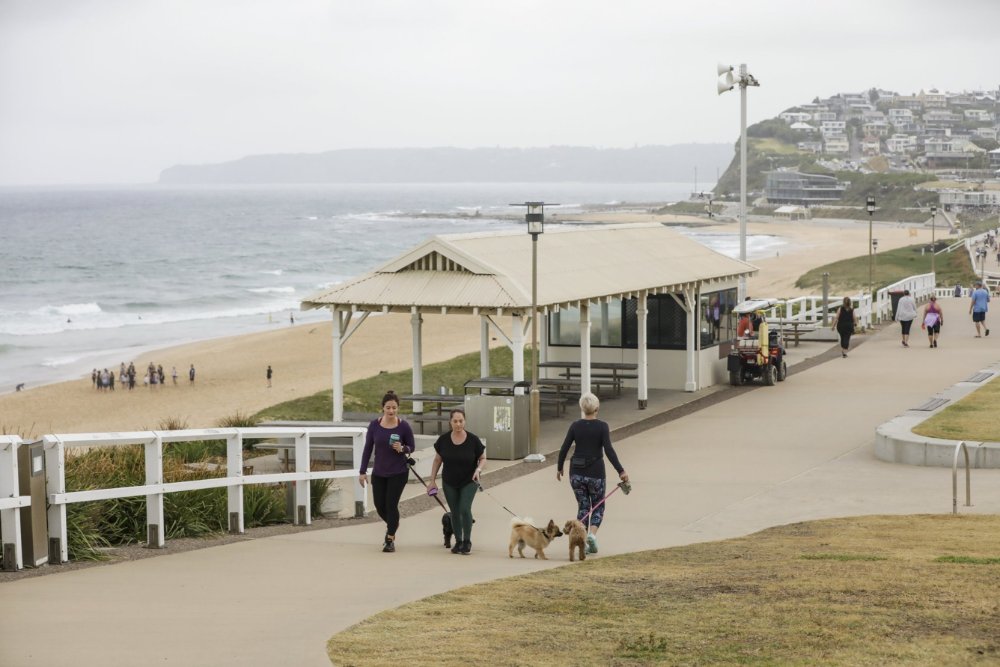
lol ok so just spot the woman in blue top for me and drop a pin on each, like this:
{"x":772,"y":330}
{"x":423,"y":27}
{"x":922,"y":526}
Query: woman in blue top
{"x":586,"y":476}
{"x":391,"y":440}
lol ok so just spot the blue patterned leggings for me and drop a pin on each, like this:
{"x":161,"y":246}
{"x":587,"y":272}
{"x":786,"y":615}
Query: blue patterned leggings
{"x":588,"y":491}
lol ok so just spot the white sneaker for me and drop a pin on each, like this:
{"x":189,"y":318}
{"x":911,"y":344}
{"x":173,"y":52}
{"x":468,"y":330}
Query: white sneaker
{"x":591,"y":543}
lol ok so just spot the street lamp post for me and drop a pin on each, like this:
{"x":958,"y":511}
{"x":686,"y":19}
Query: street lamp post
{"x":728,"y":82}
{"x":875,"y":254}
{"x":933,"y":243}
{"x":535,"y":218}
{"x":870,"y":207}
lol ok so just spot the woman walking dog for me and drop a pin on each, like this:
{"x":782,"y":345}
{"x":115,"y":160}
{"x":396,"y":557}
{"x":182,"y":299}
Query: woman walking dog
{"x":586,"y":476}
{"x":463,"y":455}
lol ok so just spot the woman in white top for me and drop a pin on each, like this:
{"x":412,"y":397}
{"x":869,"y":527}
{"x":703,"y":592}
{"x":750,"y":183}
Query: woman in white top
{"x":906,"y":312}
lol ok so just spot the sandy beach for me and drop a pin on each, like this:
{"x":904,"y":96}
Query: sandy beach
{"x":231,"y":371}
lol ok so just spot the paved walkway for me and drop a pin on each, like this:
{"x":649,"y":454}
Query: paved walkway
{"x":798,"y":451}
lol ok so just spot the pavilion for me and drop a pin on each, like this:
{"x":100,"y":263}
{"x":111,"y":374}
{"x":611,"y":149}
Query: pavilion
{"x":637,"y":293}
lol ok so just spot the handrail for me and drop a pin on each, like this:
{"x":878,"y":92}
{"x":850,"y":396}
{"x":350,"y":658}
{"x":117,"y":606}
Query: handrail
{"x":954,"y":479}
{"x":155,"y":487}
{"x":10,"y":504}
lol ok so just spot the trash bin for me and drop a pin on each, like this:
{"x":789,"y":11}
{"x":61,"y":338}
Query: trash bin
{"x":502,"y":421}
{"x":895,"y":296}
{"x":34,"y":519}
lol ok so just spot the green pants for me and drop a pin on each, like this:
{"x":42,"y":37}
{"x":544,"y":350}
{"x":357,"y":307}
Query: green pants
{"x":460,"y":502}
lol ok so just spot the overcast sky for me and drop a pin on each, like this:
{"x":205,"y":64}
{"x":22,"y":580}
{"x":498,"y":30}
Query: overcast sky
{"x":113,"y":91}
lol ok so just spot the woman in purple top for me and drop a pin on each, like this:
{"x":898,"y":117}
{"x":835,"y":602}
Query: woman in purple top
{"x":391,"y":440}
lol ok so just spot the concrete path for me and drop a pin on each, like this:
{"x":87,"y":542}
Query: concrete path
{"x":798,"y":451}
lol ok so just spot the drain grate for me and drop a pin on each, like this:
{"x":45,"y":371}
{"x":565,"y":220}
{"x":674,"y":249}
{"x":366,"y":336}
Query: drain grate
{"x":978,"y":377}
{"x":932,"y":404}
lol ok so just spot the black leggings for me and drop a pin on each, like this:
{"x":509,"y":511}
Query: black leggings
{"x":845,"y":338}
{"x":386,"y":492}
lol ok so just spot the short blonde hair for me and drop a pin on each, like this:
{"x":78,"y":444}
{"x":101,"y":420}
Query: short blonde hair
{"x":589,"y":403}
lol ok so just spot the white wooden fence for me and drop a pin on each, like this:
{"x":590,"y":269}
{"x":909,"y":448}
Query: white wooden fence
{"x":155,"y":488}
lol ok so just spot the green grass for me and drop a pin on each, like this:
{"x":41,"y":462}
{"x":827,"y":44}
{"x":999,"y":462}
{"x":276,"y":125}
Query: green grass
{"x":967,"y":560}
{"x":366,"y":395}
{"x":973,"y":417}
{"x":848,"y":275}
{"x":790,"y":595}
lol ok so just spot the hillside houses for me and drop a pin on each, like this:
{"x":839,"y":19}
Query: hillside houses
{"x":931,"y":129}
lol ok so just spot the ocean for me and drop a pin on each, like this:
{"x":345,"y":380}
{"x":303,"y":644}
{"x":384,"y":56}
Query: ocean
{"x":90,"y":277}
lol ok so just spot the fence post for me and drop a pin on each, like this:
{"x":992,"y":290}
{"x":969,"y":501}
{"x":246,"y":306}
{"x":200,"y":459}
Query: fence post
{"x":154,"y":502}
{"x":55,"y":482}
{"x":10,"y":539}
{"x":303,"y":515}
{"x":361,"y":505}
{"x":234,"y":494}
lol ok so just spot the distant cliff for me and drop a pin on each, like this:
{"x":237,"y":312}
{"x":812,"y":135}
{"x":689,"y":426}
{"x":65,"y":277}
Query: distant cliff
{"x":455,"y":165}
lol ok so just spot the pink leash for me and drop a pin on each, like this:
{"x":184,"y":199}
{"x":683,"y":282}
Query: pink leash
{"x":625,"y":486}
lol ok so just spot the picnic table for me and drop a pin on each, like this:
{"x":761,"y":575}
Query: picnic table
{"x":793,"y":329}
{"x":616,"y":372}
{"x":441,"y":403}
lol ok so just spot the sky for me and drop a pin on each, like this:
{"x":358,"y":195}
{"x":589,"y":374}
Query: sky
{"x":114,"y":91}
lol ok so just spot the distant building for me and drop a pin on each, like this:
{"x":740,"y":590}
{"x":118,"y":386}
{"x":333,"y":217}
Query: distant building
{"x":901,"y":143}
{"x":995,"y":158}
{"x":792,"y":187}
{"x":836,"y":145}
{"x":978,"y":116}
{"x":967,"y":199}
{"x":811,"y":146}
{"x":793,"y":213}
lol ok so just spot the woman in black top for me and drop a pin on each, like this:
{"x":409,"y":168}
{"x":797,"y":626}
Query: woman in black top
{"x":463,"y":455}
{"x":844,"y":323}
{"x":586,"y":475}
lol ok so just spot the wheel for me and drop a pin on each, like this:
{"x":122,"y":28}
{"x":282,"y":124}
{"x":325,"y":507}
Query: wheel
{"x":782,"y":371}
{"x":770,"y":376}
{"x":735,"y":378}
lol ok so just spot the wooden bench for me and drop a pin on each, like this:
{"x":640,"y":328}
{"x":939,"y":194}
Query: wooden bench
{"x":615,"y":378}
{"x":431,"y":418}
{"x":794,"y":332}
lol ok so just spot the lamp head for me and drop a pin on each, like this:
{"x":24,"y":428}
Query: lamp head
{"x":870,"y":204}
{"x":933,"y":210}
{"x":535,"y":217}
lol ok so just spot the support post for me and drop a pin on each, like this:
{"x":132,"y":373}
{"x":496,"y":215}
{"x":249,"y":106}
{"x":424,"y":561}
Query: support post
{"x":234,"y":494}
{"x":826,"y":299}
{"x":643,"y":356}
{"x":55,"y":482}
{"x":338,"y":366}
{"x":416,"y":324}
{"x":10,"y":538}
{"x":484,"y":347}
{"x":303,"y":512}
{"x":154,"y":502}
{"x":584,"y":347}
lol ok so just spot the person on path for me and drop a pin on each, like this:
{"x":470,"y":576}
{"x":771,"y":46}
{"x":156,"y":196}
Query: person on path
{"x":463,"y":456}
{"x":269,"y":373}
{"x":390,"y":439}
{"x":587,"y":477}
{"x":906,"y":312}
{"x":173,"y":373}
{"x":844,"y":322}
{"x":933,"y":319}
{"x":978,"y":305}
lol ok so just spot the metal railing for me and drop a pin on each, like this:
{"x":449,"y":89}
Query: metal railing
{"x":10,"y":504}
{"x":954,"y":478}
{"x":155,"y":488}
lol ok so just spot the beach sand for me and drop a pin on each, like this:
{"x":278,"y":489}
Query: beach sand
{"x":231,"y":371}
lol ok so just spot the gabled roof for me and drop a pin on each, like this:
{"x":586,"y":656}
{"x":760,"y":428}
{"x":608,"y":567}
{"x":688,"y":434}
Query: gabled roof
{"x":491,"y":272}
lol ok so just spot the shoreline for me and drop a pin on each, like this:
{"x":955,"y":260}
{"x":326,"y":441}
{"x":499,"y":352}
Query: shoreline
{"x":231,"y":370}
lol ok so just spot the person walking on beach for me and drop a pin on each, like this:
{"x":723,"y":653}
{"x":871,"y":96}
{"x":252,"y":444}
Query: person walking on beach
{"x":269,"y":373}
{"x":906,"y":312}
{"x":844,"y":322}
{"x":390,"y":439}
{"x":586,"y":468}
{"x":173,"y":374}
{"x":978,"y":305}
{"x":463,"y":455}
{"x":191,"y":374}
{"x":933,"y":319}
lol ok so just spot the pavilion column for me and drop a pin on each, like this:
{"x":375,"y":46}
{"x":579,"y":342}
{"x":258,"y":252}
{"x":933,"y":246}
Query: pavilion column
{"x":517,"y":347}
{"x":643,"y":357}
{"x":691,"y":309}
{"x":338,"y":365}
{"x":543,"y":339}
{"x":484,"y":347}
{"x":416,"y":322}
{"x":584,"y":347}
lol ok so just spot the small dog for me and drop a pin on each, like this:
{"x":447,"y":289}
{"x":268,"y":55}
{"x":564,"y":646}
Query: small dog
{"x":577,"y":534}
{"x":522,"y":534}
{"x":446,"y":529}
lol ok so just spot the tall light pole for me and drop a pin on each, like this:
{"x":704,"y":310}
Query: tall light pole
{"x":535,"y":218}
{"x":870,"y":207}
{"x":728,"y":82}
{"x":933,"y":243}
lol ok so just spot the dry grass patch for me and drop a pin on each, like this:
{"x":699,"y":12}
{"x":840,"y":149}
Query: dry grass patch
{"x":971,"y":418}
{"x":857,"y":591}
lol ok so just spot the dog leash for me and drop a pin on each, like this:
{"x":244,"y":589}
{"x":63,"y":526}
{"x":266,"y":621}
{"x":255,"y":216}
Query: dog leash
{"x":479,"y":484}
{"x":411,"y":462}
{"x":624,"y":486}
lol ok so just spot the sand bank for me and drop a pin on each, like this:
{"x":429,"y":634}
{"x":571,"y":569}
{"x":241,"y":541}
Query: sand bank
{"x":231,"y":371}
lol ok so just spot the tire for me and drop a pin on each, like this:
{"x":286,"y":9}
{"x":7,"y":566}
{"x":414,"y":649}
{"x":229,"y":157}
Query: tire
{"x":770,"y":376}
{"x":735,"y":378}
{"x":782,"y":371}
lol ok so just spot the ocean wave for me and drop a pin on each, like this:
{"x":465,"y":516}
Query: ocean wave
{"x":68,"y":309}
{"x":271,"y":290}
{"x":275,"y":272}
{"x":30,"y":324}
